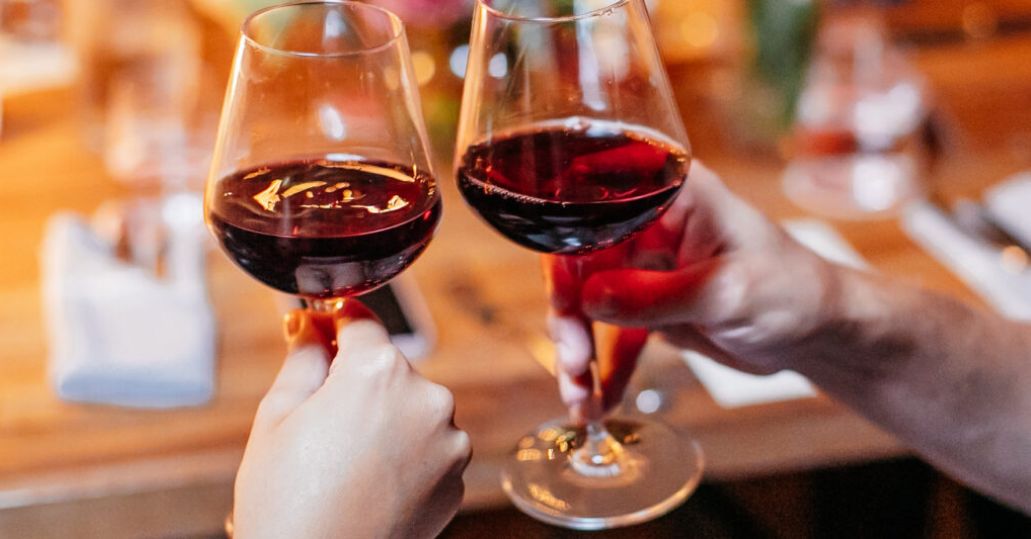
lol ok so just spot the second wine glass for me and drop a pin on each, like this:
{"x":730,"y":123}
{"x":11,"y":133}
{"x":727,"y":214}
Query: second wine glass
{"x":570,"y":142}
{"x":321,"y":184}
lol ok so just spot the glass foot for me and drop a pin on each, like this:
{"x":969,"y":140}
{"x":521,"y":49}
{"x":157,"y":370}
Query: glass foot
{"x":654,"y":472}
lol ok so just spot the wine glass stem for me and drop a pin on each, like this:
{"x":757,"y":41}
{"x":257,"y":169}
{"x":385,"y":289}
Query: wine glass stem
{"x":601,"y":455}
{"x":324,"y":317}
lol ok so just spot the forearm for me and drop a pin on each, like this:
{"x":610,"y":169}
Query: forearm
{"x":951,"y":381}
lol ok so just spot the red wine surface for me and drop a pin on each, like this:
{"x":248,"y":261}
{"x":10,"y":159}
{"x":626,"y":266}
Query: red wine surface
{"x":320,"y":228}
{"x":574,"y":187}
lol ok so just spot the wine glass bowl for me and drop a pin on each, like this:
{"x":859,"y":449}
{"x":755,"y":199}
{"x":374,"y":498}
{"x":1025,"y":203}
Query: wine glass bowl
{"x":322,"y":228}
{"x":569,"y":139}
{"x":321,"y":184}
{"x":572,"y":186}
{"x":570,"y":142}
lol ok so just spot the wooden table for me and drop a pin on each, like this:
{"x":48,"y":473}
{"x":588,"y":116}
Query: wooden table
{"x":78,"y":470}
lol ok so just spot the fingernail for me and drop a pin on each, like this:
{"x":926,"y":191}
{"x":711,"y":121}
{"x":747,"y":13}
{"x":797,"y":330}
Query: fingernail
{"x":572,"y":393}
{"x":564,"y":351}
{"x":571,"y":362}
{"x":292,"y":324}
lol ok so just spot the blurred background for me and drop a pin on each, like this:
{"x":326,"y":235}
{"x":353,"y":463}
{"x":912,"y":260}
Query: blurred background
{"x":133,"y":355}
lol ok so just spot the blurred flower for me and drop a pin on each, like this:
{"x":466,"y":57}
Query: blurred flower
{"x":230,"y":13}
{"x":428,"y":12}
{"x":422,"y":13}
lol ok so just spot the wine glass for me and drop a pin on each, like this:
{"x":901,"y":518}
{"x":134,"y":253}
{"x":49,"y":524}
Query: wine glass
{"x":321,"y":184}
{"x":570,"y":142}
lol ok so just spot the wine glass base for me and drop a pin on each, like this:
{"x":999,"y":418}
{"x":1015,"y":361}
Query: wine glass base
{"x":658,"y":470}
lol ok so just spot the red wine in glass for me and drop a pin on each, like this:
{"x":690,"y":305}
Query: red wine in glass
{"x":320,"y":228}
{"x":572,"y":187}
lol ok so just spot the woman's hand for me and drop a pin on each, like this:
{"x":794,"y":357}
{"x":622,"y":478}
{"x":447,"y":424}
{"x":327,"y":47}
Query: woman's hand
{"x":360,"y":447}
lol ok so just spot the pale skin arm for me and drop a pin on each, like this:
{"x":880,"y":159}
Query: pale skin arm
{"x":951,"y":381}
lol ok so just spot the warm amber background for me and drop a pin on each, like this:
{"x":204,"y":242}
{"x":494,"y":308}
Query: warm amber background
{"x":91,"y":471}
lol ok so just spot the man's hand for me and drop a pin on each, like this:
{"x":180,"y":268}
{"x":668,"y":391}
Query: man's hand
{"x":713,"y":275}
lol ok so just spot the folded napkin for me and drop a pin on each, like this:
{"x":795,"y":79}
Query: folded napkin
{"x":977,"y":263}
{"x":118,"y":333}
{"x":731,"y":388}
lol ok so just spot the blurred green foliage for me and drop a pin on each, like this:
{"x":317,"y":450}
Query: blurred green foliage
{"x":783,"y":33}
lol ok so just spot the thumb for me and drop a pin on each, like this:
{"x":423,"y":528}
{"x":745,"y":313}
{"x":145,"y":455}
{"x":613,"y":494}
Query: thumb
{"x":302,"y":373}
{"x":359,"y":333}
{"x":643,"y":298}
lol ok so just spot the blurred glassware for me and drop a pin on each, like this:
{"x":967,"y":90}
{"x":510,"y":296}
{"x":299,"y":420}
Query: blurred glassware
{"x":140,"y":89}
{"x":149,"y":141}
{"x":32,"y":21}
{"x":855,"y":151}
{"x":31,"y":53}
{"x":133,"y":43}
{"x":428,"y":13}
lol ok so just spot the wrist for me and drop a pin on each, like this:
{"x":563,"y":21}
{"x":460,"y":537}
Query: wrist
{"x":853,"y":328}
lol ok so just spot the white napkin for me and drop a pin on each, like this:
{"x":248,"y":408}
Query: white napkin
{"x":1008,"y":202}
{"x":731,"y":388}
{"x":978,"y":264}
{"x":822,"y":239}
{"x":120,"y":335}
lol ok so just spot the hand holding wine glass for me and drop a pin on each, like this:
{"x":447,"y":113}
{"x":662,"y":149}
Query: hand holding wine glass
{"x":570,"y":144}
{"x":321,"y":187}
{"x":306,"y":474}
{"x":657,"y":279}
{"x":731,"y":289}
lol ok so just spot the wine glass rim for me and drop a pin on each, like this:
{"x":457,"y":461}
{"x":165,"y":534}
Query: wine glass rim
{"x":597,"y":12}
{"x":395,"y":22}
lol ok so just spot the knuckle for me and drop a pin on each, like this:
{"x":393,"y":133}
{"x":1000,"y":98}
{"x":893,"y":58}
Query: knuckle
{"x":442,"y":402}
{"x":733,"y":287}
{"x":273,"y":406}
{"x":463,"y":449}
{"x":383,"y":360}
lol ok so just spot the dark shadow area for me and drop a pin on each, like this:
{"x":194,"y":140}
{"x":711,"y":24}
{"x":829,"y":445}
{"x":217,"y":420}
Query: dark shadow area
{"x":891,"y":499}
